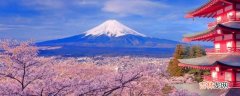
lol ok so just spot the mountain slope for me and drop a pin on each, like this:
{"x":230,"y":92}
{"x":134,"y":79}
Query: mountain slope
{"x":110,"y":38}
{"x":111,"y":33}
{"x":106,"y":41}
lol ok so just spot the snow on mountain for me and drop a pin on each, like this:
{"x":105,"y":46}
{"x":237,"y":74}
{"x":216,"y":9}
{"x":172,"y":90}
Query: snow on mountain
{"x":112,"y":28}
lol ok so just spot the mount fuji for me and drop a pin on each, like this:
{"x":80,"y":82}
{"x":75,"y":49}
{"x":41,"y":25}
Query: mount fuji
{"x":110,"y":35}
{"x":112,"y":28}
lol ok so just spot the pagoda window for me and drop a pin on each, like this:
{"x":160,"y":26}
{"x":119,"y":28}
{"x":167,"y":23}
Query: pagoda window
{"x":228,"y":37}
{"x":238,"y":44}
{"x":238,"y":76}
{"x":230,"y":15}
{"x":228,"y":76}
{"x":228,"y":8}
{"x":219,"y":11}
{"x":217,"y":46}
{"x":238,"y":14}
{"x":237,"y":6}
{"x":229,"y":45}
{"x":237,"y":36}
{"x":219,"y":38}
{"x":214,"y":74}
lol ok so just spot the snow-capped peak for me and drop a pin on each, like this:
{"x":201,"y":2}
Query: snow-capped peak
{"x":112,"y":28}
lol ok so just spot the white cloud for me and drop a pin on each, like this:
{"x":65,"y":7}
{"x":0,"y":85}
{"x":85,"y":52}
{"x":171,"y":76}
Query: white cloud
{"x":89,"y":2}
{"x":133,"y":7}
{"x":22,"y":26}
{"x":44,"y":4}
{"x":59,"y":4}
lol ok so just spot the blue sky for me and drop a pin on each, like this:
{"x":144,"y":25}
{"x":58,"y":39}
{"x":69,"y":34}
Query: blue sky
{"x":41,"y":20}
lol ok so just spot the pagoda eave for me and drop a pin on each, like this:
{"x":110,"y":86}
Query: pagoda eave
{"x":189,"y":16}
{"x":205,"y":38}
{"x":195,"y":66}
{"x":209,"y":10}
{"x":211,"y":33}
{"x":208,"y":67}
{"x":209,"y":61}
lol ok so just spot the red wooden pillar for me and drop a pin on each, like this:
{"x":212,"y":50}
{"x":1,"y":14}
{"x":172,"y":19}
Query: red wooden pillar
{"x":234,"y":42}
{"x":233,"y":76}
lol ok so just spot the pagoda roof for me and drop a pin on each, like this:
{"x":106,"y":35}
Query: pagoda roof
{"x":210,"y":8}
{"x":200,"y":33}
{"x":234,"y":26}
{"x":232,"y":60}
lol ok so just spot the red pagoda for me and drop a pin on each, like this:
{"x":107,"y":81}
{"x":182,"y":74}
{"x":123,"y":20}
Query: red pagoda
{"x":223,"y":60}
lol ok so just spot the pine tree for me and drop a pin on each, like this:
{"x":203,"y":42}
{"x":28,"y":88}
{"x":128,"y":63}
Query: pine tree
{"x":194,"y":52}
{"x":179,"y":52}
{"x":191,"y":52}
{"x":198,"y":51}
{"x":173,"y":67}
{"x":187,"y":52}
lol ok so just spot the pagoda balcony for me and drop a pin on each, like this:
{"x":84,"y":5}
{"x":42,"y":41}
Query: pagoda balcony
{"x":220,"y":51}
{"x":209,"y":78}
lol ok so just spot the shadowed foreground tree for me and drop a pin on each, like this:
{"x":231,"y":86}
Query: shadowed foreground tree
{"x":24,"y":73}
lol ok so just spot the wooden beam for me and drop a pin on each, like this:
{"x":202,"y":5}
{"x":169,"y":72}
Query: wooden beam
{"x":208,"y":16}
{"x":212,"y":14}
{"x":210,"y":39}
{"x":226,"y":1}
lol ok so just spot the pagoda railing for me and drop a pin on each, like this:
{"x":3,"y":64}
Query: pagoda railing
{"x":218,"y":50}
{"x":209,"y":78}
{"x":214,"y":50}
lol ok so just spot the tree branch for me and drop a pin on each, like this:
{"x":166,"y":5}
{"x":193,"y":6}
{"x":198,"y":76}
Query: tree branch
{"x":135,"y":77}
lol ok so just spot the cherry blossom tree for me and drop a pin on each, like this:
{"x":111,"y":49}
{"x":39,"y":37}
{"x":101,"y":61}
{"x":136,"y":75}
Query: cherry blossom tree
{"x":21,"y":66}
{"x":23,"y":72}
